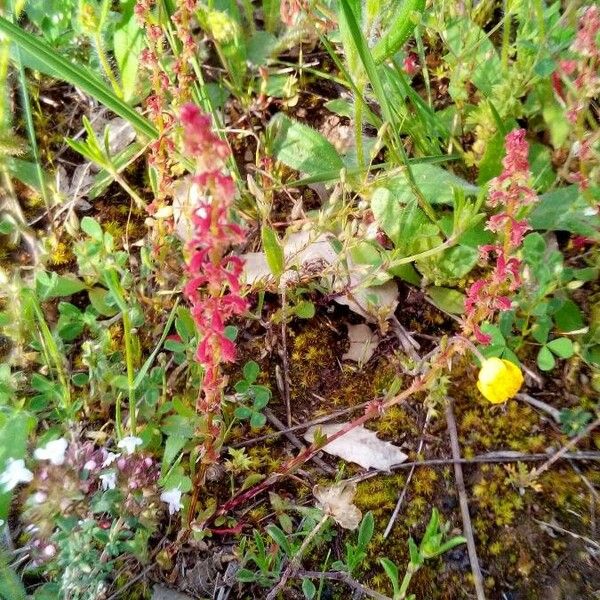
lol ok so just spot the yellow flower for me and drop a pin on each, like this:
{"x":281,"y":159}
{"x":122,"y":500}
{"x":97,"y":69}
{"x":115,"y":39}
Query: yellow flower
{"x":499,"y":380}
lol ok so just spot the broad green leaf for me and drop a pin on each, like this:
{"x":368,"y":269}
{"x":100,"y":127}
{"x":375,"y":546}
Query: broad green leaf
{"x":302,"y":148}
{"x":447,"y":299}
{"x":434,"y":182}
{"x":128,"y":41}
{"x":25,"y":171}
{"x":365,"y":532}
{"x":305,"y":309}
{"x":569,"y":318}
{"x":565,"y":209}
{"x":98,"y":297}
{"x":562,"y":347}
{"x":51,"y":285}
{"x":273,"y":250}
{"x":92,"y":228}
{"x":251,"y":371}
{"x":308,"y":589}
{"x":545,"y":359}
{"x":472,"y":57}
{"x":173,"y":446}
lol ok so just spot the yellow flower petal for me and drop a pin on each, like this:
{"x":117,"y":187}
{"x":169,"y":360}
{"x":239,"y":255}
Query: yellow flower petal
{"x":499,"y":380}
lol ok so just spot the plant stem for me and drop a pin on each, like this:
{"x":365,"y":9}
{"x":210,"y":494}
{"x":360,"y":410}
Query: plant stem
{"x":97,"y":39}
{"x":130,"y":370}
{"x":295,"y":562}
{"x":506,"y":21}
{"x":410,"y":571}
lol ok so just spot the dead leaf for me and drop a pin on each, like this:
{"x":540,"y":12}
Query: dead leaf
{"x":360,"y":446}
{"x":186,"y":195}
{"x":363,"y":343}
{"x":336,"y":501}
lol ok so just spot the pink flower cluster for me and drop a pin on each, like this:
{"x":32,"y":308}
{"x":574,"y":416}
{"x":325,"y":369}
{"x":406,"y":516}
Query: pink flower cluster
{"x":213,"y":288}
{"x":582,"y":73}
{"x":510,"y":192}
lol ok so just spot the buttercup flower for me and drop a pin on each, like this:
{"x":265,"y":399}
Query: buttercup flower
{"x":173,"y":499}
{"x":53,"y":451}
{"x":499,"y":380}
{"x":15,"y":473}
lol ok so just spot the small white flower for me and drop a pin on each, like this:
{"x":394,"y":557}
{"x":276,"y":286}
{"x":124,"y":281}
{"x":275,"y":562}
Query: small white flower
{"x":109,"y":480}
{"x":173,"y":499}
{"x":40,"y":497}
{"x":53,"y":451}
{"x":90,"y":465}
{"x":129,"y":443}
{"x":110,"y":459}
{"x":15,"y":472}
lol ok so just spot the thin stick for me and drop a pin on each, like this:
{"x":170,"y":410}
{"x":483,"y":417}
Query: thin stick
{"x":587,"y":540}
{"x":492,"y":457}
{"x":284,"y":358}
{"x":394,"y":516}
{"x":344,"y":578}
{"x":557,"y":455}
{"x":464,"y":504}
{"x":550,"y":410}
{"x":295,"y":562}
{"x":317,"y":421}
{"x":295,"y":441}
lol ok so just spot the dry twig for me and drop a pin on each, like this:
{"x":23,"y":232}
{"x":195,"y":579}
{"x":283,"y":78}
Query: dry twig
{"x":464,"y":504}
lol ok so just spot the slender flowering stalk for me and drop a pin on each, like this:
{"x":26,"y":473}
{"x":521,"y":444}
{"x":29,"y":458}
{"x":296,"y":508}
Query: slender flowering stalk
{"x":510,"y":192}
{"x":576,"y":83}
{"x":213,"y":288}
{"x":171,"y":86}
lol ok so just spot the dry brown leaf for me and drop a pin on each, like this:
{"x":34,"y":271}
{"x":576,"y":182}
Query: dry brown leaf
{"x":336,"y":501}
{"x":363,"y":342}
{"x":360,"y":446}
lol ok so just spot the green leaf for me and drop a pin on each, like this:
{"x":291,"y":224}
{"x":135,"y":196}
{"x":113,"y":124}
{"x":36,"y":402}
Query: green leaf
{"x":6,"y":227}
{"x":569,"y":318}
{"x":435,"y":183}
{"x":565,"y":209}
{"x":545,"y":359}
{"x":273,"y":250}
{"x":51,"y":285}
{"x":562,"y":347}
{"x":391,"y":570}
{"x":365,"y":532}
{"x":128,"y":41}
{"x":98,"y":297}
{"x":472,"y":57}
{"x":308,"y":589}
{"x":302,"y":148}
{"x":92,"y":228}
{"x":257,"y":420}
{"x":251,"y":371}
{"x":54,"y":63}
{"x":280,"y":539}
{"x":447,"y":299}
{"x":305,"y":309}
{"x":173,"y":446}
{"x":399,"y":30}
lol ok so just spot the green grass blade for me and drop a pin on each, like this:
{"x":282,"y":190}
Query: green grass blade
{"x":146,"y":366}
{"x":76,"y":76}
{"x":370,"y":67}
